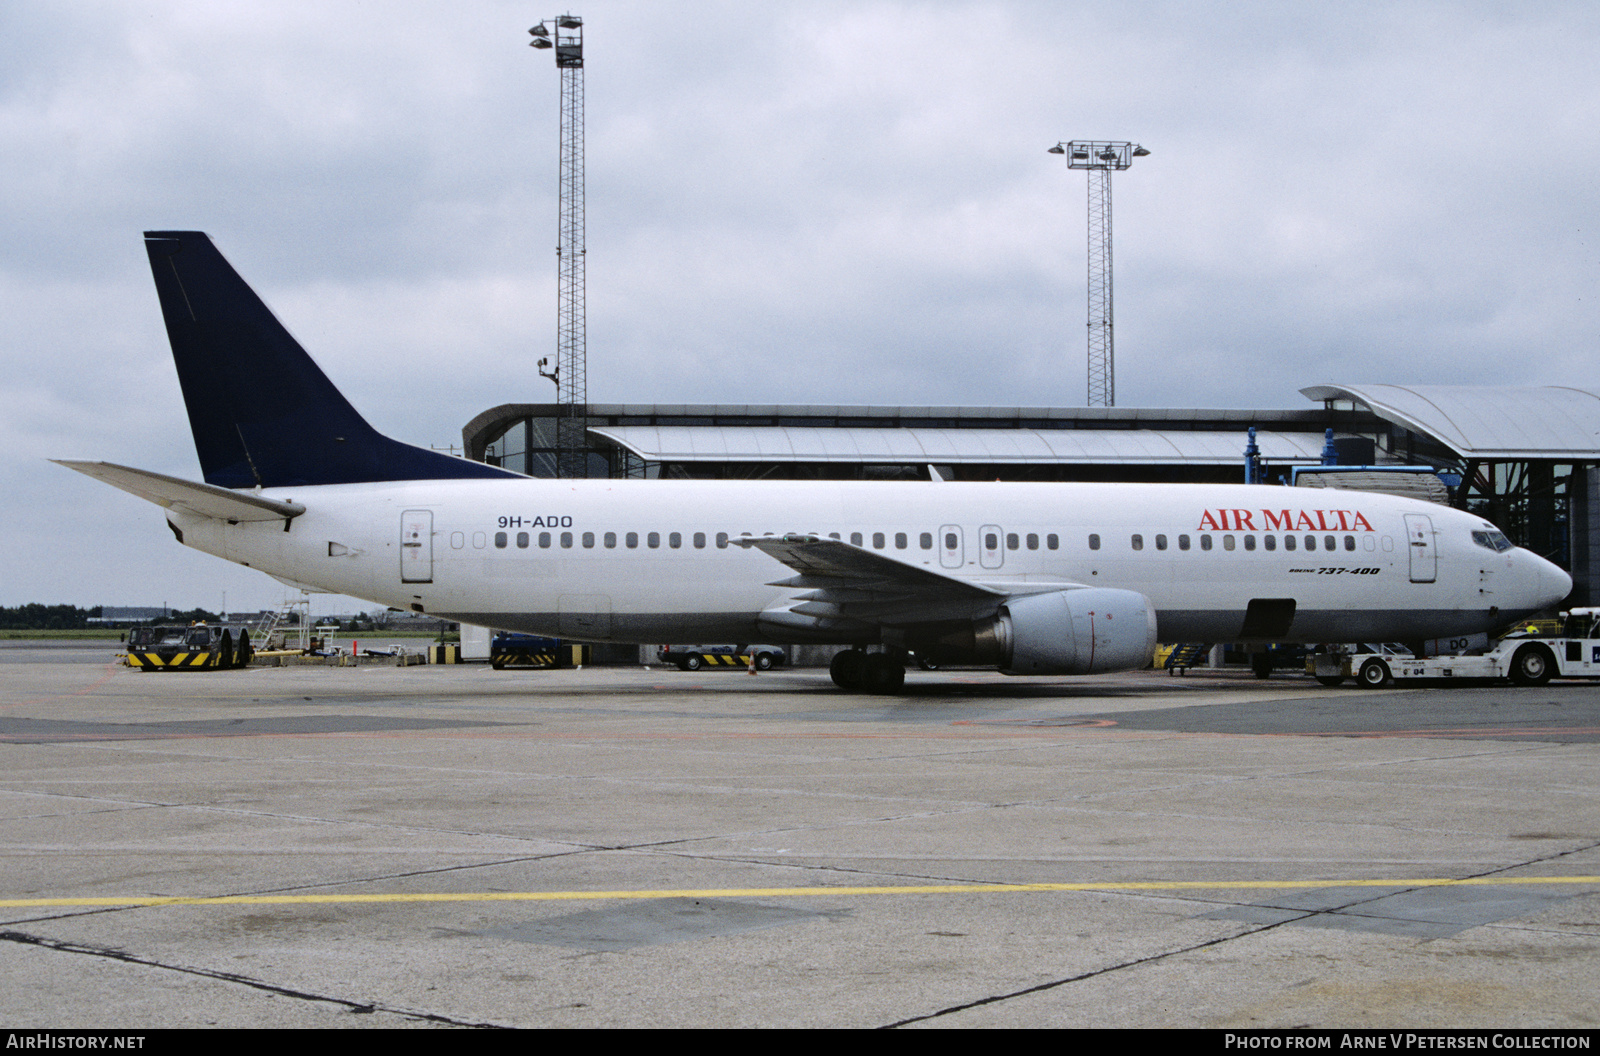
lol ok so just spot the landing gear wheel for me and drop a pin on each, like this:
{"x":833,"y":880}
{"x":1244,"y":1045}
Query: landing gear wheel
{"x":1261,"y":664}
{"x":1532,"y":666}
{"x":848,"y":669}
{"x":884,"y":674}
{"x":1330,"y":680}
{"x":1374,"y":674}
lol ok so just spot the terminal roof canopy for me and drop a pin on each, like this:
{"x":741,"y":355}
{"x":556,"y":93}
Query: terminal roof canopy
{"x":694,"y":443}
{"x":1491,"y":422}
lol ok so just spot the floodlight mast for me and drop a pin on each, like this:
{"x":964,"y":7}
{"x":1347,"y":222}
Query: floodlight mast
{"x":570,"y":373}
{"x":1101,"y":159}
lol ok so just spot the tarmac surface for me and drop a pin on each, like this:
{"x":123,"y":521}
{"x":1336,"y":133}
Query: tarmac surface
{"x":453,"y":846}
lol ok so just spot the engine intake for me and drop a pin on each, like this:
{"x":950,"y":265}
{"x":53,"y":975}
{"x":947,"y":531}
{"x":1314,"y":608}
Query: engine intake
{"x":1072,"y":632}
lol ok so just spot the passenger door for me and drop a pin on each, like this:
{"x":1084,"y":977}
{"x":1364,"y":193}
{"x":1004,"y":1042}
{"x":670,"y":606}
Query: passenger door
{"x":1420,"y":543}
{"x":416,"y":546}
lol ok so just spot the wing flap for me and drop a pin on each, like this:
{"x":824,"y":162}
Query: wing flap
{"x":174,"y":493}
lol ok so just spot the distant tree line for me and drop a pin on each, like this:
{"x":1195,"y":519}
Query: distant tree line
{"x":36,"y":617}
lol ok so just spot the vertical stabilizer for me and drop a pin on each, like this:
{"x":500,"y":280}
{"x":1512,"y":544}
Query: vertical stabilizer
{"x":262,"y":411}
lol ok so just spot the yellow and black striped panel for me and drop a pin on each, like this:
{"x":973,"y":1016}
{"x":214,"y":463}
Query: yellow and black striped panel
{"x":178,"y":661}
{"x":520,"y":658}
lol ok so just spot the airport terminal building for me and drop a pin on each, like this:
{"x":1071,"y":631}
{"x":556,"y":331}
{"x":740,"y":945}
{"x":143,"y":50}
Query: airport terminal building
{"x":1527,"y":459}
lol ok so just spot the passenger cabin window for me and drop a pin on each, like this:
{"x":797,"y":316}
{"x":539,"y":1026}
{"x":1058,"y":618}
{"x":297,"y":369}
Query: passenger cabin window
{"x":653,"y":540}
{"x":588,"y":540}
{"x":1269,"y":541}
{"x":877,"y":540}
{"x":1205,"y":542}
{"x":1138,"y":542}
{"x":611,"y":540}
{"x":699,"y":540}
{"x":925,"y":540}
{"x":632,"y":539}
{"x":1033,"y":541}
{"x":1288,"y":542}
{"x":722,"y":540}
{"x":544,"y":540}
{"x":566,"y":540}
{"x":900,"y":541}
{"x":522,"y":540}
{"x":1249,"y":542}
{"x":1094,"y":542}
{"x":991,"y":541}
{"x":1052,"y":542}
{"x":1161,"y":542}
{"x":950,"y":541}
{"x":1311,"y":542}
{"x":1227,"y":542}
{"x":1349,"y":542}
{"x":675,"y":540}
{"x":500,"y":540}
{"x":1013,"y":542}
{"x":855,"y":538}
{"x":1183,"y":542}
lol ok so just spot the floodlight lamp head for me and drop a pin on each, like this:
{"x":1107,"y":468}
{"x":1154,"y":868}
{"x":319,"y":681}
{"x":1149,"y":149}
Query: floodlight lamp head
{"x":569,"y":21}
{"x":1057,"y":149}
{"x":541,"y":43}
{"x":1140,"y":152}
{"x":539,"y":31}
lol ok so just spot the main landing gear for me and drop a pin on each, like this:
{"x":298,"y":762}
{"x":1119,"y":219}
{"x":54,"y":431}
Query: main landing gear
{"x":864,"y":672}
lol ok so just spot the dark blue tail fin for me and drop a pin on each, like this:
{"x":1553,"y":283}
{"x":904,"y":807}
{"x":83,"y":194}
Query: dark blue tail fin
{"x":262,"y":412}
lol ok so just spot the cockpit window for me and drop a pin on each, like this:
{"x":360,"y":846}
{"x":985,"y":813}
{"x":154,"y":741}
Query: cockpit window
{"x":1492,"y":540}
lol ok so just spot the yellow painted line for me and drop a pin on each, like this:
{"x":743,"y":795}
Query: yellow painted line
{"x":789,"y":892}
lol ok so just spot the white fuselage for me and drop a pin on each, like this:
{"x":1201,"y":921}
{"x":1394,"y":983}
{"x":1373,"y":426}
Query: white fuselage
{"x":640,"y":561}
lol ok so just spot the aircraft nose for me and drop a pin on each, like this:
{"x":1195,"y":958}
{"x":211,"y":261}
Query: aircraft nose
{"x":1551,"y":584}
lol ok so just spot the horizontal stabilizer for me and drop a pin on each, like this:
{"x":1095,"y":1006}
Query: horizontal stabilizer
{"x":206,"y":500}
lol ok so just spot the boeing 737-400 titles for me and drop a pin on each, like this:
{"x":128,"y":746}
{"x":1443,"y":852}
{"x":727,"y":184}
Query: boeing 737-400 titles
{"x":1035,"y":579}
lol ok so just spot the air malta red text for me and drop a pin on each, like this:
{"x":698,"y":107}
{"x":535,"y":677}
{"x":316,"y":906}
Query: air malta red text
{"x":1284,"y":521}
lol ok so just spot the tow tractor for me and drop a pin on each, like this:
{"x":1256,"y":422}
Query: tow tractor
{"x":1531,"y":656}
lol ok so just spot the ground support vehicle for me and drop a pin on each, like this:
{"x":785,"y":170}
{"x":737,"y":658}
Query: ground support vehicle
{"x":509,"y":649}
{"x":1528,"y":657}
{"x":190,"y":647}
{"x":694,"y":657}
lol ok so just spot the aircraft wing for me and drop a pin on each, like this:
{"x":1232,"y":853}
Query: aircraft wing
{"x":174,"y":493}
{"x":850,"y":585}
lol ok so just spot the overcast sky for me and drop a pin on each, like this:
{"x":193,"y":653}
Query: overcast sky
{"x":787,"y":202}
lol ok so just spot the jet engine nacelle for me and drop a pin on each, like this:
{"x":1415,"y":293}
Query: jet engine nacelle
{"x":1075,"y":632}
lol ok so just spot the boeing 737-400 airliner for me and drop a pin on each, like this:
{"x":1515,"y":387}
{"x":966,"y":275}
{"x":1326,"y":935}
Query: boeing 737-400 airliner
{"x":1035,"y":579}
